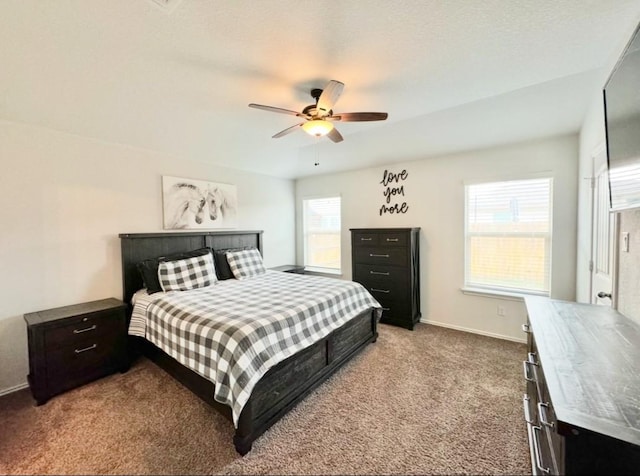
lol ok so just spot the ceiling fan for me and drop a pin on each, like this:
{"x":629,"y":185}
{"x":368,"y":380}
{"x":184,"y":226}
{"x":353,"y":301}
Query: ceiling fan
{"x":319,"y":117}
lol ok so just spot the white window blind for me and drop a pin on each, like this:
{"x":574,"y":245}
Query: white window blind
{"x":321,"y":224}
{"x":508,"y":236}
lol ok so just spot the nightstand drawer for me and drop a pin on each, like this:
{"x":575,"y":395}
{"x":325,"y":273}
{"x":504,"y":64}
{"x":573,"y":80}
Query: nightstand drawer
{"x":75,"y":359}
{"x":379,"y":255}
{"x":81,"y":328}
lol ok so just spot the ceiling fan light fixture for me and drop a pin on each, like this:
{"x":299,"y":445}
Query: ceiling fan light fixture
{"x":317,"y":127}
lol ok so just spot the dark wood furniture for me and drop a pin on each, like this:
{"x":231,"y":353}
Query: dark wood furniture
{"x":582,"y":377}
{"x":387,"y":262}
{"x":72,"y":345}
{"x":290,"y":268}
{"x":284,"y":385}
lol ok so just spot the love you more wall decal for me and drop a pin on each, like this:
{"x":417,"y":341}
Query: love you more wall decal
{"x":391,"y":182}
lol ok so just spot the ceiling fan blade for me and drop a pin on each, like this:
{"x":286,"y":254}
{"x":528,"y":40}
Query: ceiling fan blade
{"x":277,"y":109}
{"x":329,"y":96}
{"x":360,"y":116}
{"x":288,"y":130}
{"x":335,"y":136}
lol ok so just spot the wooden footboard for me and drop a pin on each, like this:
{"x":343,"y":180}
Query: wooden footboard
{"x":293,"y":379}
{"x":283,"y":386}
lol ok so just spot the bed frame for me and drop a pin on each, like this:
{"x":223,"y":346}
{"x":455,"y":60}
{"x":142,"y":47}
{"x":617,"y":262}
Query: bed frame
{"x":284,"y":385}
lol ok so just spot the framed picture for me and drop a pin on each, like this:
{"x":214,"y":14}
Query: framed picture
{"x":195,"y":204}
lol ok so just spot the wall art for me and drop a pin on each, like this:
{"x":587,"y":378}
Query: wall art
{"x":393,"y":184}
{"x":196,"y":204}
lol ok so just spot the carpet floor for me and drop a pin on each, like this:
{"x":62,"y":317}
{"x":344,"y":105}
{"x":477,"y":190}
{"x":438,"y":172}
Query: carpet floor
{"x":431,"y":401}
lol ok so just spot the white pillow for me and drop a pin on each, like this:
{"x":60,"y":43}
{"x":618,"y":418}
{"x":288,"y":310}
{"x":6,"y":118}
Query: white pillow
{"x":245,"y":264}
{"x":186,"y":274}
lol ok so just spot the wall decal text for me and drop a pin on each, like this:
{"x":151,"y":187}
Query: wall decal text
{"x":393,"y":188}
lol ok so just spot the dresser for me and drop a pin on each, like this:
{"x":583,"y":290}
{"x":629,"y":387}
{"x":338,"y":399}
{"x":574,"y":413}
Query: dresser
{"x":72,"y":345}
{"x":582,"y":400}
{"x":386,"y":261}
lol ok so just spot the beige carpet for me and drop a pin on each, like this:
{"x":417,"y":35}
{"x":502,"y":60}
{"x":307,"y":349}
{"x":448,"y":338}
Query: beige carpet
{"x":432,"y":401}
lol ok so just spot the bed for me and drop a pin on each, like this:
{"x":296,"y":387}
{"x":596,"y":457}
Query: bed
{"x":283,"y":385}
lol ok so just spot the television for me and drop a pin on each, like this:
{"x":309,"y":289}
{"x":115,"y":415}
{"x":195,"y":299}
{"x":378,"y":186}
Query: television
{"x":622,"y":126}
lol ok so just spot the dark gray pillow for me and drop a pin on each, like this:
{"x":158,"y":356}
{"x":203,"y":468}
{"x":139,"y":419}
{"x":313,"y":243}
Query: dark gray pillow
{"x":222,"y":265}
{"x":149,"y":267}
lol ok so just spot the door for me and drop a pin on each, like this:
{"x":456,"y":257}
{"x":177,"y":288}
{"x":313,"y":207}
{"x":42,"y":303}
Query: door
{"x":603,"y":249}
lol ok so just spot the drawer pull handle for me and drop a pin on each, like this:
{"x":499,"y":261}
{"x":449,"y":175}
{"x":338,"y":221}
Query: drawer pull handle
{"x":386,"y":309}
{"x":91,"y":347}
{"x":525,"y":365}
{"x":531,"y":358}
{"x":386,"y":291}
{"x":542,"y":411}
{"x":392,"y":239}
{"x":377,"y":256}
{"x":527,"y":409}
{"x":537,"y":451}
{"x":379,"y":272}
{"x":366,"y":239}
{"x":80,"y":331}
{"x":526,"y":328}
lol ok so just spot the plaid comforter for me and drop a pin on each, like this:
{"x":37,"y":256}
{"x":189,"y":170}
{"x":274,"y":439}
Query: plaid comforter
{"x":233,"y":332}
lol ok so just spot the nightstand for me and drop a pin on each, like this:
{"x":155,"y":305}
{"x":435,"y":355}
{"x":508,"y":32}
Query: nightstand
{"x":289,"y":268}
{"x":73,"y":345}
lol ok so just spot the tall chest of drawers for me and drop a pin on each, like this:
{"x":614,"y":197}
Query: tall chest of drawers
{"x":582,"y":374}
{"x":386,"y":261}
{"x":72,"y":345}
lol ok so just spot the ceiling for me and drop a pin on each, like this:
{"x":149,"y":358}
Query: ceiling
{"x":453,"y":75}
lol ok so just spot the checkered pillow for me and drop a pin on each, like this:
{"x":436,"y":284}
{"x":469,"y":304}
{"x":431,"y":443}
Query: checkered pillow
{"x":245,"y":264}
{"x":185,"y":274}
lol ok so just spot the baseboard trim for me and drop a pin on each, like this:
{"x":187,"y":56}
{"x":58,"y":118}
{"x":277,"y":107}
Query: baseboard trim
{"x":473,"y":331}
{"x":15,"y":388}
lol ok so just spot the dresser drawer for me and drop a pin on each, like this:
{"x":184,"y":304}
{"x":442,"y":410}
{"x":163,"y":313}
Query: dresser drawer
{"x":386,"y":289}
{"x":543,"y":456}
{"x":365,"y":239}
{"x":79,"y":329}
{"x":393,"y":239}
{"x":394,"y":309}
{"x":380,"y":273}
{"x":396,"y":256}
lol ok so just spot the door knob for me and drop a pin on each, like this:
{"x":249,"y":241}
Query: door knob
{"x":603,"y":295}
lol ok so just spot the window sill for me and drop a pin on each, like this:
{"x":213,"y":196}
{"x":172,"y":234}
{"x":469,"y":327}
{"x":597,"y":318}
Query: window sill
{"x":496,"y":294}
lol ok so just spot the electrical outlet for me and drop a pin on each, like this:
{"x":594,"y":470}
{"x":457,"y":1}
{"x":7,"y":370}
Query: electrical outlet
{"x":501,"y":311}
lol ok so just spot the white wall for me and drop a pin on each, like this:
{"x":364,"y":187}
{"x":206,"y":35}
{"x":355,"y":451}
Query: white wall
{"x":64,"y":200}
{"x":435,"y":194}
{"x":592,"y":137}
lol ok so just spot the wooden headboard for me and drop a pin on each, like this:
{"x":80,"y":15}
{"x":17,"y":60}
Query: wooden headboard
{"x":140,"y":246}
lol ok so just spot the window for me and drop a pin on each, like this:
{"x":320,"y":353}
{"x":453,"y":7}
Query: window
{"x":321,"y":229}
{"x":508,"y":236}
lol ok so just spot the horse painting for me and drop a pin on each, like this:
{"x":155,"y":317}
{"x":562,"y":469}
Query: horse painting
{"x":184,"y":202}
{"x":220,"y":204}
{"x":192,"y":204}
